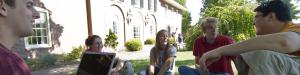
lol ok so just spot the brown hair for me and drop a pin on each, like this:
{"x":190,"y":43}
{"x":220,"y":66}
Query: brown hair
{"x":158,"y":48}
{"x":90,"y":40}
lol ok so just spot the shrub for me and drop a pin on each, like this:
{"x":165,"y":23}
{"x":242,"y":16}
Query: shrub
{"x":33,"y":64}
{"x":150,"y":41}
{"x":75,"y":54}
{"x":111,"y":40}
{"x":172,"y":41}
{"x":48,"y":59}
{"x":134,"y":44}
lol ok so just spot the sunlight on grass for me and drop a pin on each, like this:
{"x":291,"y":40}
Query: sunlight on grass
{"x":183,"y":58}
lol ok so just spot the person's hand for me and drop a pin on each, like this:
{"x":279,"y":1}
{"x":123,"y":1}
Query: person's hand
{"x":197,"y":66}
{"x":207,"y":59}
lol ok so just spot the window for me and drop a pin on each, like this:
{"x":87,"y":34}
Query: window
{"x":142,"y":3}
{"x":151,"y":29}
{"x":149,"y":4}
{"x":115,"y":27}
{"x":155,"y":5}
{"x":136,"y":32}
{"x":41,"y":37}
{"x":133,"y":2}
{"x":114,"y":23}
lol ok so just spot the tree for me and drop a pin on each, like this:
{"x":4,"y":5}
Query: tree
{"x":212,"y":3}
{"x":111,"y":39}
{"x":181,"y":2}
{"x":235,"y":20}
{"x":186,"y":22}
{"x":186,"y":19}
{"x":293,"y":7}
{"x":194,"y":32}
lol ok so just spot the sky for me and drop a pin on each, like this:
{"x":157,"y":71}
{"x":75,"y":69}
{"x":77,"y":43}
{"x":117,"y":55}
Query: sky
{"x":194,"y":6}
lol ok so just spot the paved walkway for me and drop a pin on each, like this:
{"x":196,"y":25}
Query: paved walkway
{"x":66,"y":69}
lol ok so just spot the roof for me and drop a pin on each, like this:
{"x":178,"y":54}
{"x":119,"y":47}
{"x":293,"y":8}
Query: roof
{"x":175,"y":4}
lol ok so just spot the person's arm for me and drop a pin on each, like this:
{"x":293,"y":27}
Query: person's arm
{"x":197,"y":60}
{"x":166,"y":65}
{"x":171,"y":55}
{"x":284,"y":42}
{"x":228,"y":42}
{"x":196,"y":49}
{"x":151,"y":66}
{"x":197,"y":63}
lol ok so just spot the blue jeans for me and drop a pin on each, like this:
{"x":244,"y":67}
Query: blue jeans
{"x":184,"y":70}
{"x":156,"y":70}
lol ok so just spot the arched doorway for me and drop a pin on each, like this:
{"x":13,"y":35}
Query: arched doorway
{"x":150,"y":27}
{"x":115,"y":22}
{"x":136,"y":26}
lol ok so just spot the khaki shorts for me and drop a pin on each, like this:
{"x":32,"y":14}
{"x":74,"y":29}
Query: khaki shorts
{"x":264,"y":62}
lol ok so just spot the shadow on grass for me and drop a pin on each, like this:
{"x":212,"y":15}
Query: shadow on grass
{"x":183,"y":50}
{"x":185,"y":62}
{"x":142,"y":64}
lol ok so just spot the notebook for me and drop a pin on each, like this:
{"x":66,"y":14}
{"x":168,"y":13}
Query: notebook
{"x":96,"y":64}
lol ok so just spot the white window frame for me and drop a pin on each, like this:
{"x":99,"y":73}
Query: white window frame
{"x":136,"y":32}
{"x":48,"y":35}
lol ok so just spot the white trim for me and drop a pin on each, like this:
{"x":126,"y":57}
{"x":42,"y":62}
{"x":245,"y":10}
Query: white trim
{"x":49,"y":44}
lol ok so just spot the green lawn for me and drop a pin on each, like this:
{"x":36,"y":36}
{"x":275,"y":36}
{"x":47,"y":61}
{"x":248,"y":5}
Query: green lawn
{"x":183,"y":58}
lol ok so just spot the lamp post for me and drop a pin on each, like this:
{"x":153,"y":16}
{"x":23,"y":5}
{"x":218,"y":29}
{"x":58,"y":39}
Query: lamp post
{"x":147,"y":19}
{"x":129,"y":15}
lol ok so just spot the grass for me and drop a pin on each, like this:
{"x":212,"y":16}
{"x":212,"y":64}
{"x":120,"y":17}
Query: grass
{"x":183,"y":58}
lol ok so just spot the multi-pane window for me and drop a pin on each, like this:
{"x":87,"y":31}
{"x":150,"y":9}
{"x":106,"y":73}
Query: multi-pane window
{"x":114,"y":22}
{"x":150,"y":4}
{"x":142,"y":3}
{"x":135,"y":3}
{"x":41,"y":36}
{"x":151,"y":29}
{"x":115,"y":27}
{"x":136,"y":32}
{"x":155,"y":5}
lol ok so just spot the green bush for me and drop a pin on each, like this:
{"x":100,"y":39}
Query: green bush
{"x":111,"y":40}
{"x":75,"y":54}
{"x":134,"y":44}
{"x":45,"y":60}
{"x":191,"y":37}
{"x":237,"y":25}
{"x":150,"y":41}
{"x":48,"y":59}
{"x":172,"y":41}
{"x":33,"y":64}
